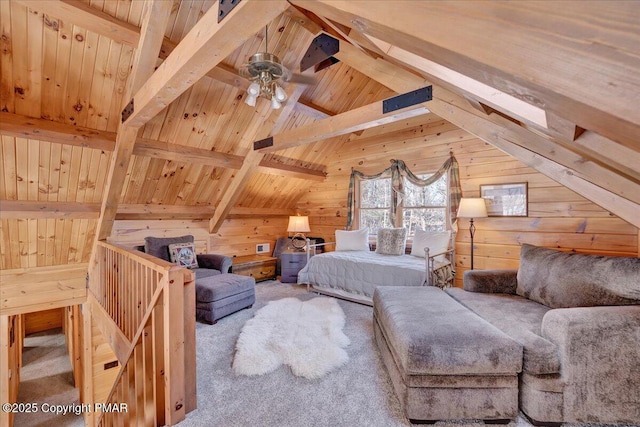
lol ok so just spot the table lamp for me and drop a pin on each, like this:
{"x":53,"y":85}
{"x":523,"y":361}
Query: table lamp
{"x":298,"y":225}
{"x":472,"y":208}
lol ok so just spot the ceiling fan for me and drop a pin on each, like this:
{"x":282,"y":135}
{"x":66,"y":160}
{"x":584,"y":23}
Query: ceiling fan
{"x":264,"y":69}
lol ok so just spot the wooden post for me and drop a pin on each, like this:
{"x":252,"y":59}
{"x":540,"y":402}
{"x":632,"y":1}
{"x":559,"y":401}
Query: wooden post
{"x":6,"y":418}
{"x":189,"y":291}
{"x":174,"y":369}
{"x":86,"y":392}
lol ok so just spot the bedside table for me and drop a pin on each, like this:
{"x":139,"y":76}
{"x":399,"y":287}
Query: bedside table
{"x":291,"y":262}
{"x":260,"y":267}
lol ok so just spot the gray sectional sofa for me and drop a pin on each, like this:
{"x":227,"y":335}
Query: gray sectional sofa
{"x":577,"y":318}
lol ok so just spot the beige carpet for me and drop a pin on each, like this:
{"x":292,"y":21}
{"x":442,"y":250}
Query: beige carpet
{"x":358,"y":394}
{"x":46,"y":379}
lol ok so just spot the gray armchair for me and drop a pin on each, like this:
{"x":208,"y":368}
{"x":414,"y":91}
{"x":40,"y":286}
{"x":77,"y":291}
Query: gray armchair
{"x":208,"y":264}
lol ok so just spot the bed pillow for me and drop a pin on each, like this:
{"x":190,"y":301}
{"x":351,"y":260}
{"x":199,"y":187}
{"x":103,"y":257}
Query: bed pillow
{"x":391,"y":241}
{"x":183,"y":254}
{"x":357,"y":240}
{"x":436,"y":242}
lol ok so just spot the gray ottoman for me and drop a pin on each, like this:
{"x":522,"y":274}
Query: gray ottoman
{"x":445,"y":362}
{"x":220,"y":295}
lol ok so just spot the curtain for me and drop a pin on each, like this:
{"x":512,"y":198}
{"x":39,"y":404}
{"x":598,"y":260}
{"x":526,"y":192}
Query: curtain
{"x":399,"y":170}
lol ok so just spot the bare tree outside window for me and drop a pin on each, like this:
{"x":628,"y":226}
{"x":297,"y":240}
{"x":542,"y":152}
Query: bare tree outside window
{"x":422,"y":208}
{"x":375,"y":204}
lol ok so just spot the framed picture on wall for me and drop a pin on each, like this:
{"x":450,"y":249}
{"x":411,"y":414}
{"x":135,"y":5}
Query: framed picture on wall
{"x":505,"y":199}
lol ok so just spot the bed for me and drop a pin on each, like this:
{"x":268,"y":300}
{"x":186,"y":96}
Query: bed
{"x":354,"y":275}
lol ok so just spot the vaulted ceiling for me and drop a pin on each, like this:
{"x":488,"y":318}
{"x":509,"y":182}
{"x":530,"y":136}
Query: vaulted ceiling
{"x":554,"y":84}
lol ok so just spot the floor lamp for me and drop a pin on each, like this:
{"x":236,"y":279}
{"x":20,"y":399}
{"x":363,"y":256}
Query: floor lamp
{"x":472,"y":208}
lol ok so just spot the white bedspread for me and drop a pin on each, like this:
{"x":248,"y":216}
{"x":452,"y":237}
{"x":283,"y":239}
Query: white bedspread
{"x":359,"y":272}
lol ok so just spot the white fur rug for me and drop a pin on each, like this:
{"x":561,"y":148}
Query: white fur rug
{"x":306,"y":335}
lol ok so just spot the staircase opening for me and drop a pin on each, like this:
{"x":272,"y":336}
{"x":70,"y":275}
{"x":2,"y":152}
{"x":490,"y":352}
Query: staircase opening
{"x":46,"y":375}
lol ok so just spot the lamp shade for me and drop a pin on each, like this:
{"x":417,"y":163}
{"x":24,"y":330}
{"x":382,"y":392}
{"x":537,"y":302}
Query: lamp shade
{"x":472,"y":208}
{"x":298,"y":224}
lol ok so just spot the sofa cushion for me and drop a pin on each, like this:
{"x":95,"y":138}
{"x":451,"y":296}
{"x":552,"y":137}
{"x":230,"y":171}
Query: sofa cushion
{"x":221,"y":286}
{"x":429,"y":333}
{"x":183,"y":254}
{"x":391,"y":241}
{"x":201,"y":273}
{"x":519,"y":318}
{"x":560,"y":279}
{"x":159,"y":246}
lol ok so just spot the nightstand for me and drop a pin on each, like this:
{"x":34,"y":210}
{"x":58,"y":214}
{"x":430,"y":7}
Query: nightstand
{"x":260,"y":267}
{"x":291,"y":262}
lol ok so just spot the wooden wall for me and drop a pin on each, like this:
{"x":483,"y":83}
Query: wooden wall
{"x":558,"y":217}
{"x":11,"y":344}
{"x":42,"y":288}
{"x":236,"y":237}
{"x":44,"y":320}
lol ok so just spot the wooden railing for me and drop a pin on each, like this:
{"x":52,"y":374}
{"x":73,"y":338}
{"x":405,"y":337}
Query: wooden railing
{"x":145,"y":308}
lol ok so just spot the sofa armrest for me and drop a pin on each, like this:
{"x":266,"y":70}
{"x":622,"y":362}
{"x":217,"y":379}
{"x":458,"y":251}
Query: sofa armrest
{"x":490,"y":281}
{"x":221,"y":263}
{"x":599,"y":349}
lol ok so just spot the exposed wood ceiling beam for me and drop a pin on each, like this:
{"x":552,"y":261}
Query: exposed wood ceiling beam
{"x":254,"y":158}
{"x":602,"y":99}
{"x":204,"y":47}
{"x":61,"y":133}
{"x":33,"y":209}
{"x":155,"y":20}
{"x":596,"y":148}
{"x":272,"y":167}
{"x":489,"y":95}
{"x":251,"y":161}
{"x":85,"y":16}
{"x":502,"y":133}
{"x":27,"y":290}
{"x":608,"y":153}
{"x":46,"y":130}
{"x":354,"y":120}
{"x":185,"y":154}
{"x":242,"y":212}
{"x":148,"y":211}
{"x":323,"y":24}
{"x":309,"y":109}
{"x":561,"y":128}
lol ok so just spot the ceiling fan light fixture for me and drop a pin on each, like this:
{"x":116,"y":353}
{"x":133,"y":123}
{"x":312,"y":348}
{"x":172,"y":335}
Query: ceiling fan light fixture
{"x":264,"y":70}
{"x":250,"y":100}
{"x":280,"y":94}
{"x":253,"y":89}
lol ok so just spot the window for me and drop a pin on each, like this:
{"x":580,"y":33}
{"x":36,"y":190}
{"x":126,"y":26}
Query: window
{"x":422,"y":208}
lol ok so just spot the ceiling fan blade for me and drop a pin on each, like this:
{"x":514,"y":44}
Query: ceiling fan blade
{"x":301,"y":79}
{"x":244,"y":72}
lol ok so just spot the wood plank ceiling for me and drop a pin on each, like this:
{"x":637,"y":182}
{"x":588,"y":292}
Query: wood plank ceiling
{"x":66,"y":66}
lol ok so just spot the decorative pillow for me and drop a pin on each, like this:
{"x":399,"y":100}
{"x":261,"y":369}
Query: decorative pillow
{"x":437,"y":242}
{"x":159,"y":246}
{"x":357,"y":240}
{"x":391,"y":241}
{"x":183,"y":254}
{"x":560,"y":279}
